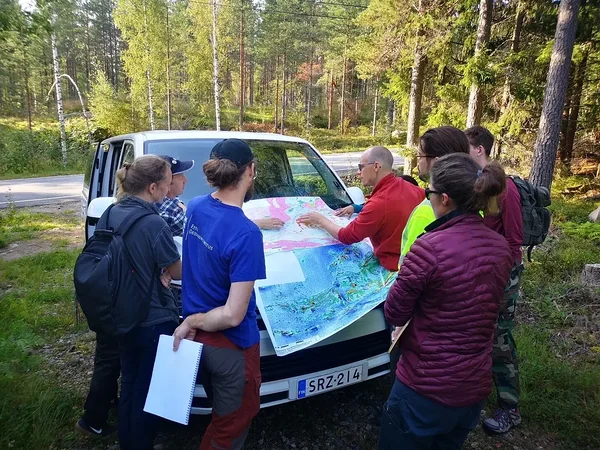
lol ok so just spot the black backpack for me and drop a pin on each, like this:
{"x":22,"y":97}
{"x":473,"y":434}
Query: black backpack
{"x":109,"y":288}
{"x":536,"y":215}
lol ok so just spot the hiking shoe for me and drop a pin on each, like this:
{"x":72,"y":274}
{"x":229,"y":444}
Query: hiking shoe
{"x":502,"y":420}
{"x":103,"y":432}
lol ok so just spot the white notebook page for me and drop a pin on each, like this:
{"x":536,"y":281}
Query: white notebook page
{"x":173,"y":380}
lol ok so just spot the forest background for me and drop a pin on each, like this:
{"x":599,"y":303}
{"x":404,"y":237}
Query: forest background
{"x":344,"y":74}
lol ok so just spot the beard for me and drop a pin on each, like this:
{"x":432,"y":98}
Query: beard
{"x":249,"y":192}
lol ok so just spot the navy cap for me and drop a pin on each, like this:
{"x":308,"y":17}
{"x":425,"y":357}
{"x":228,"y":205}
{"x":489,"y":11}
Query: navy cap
{"x":178,"y":166}
{"x":234,"y":150}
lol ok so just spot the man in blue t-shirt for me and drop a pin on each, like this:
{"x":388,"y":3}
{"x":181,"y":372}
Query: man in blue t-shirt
{"x":222,"y":258}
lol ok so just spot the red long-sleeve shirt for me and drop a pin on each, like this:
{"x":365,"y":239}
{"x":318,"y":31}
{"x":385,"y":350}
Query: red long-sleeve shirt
{"x":509,"y":223}
{"x":383,"y":218}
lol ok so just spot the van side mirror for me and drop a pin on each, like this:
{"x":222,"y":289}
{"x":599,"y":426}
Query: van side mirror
{"x":356,"y":194}
{"x":97,"y":206}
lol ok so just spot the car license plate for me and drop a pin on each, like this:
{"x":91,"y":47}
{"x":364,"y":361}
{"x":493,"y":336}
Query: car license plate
{"x":313,"y":386}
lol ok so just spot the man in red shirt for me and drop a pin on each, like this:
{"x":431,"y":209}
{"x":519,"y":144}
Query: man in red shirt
{"x":386,"y":212}
{"x":508,"y":223}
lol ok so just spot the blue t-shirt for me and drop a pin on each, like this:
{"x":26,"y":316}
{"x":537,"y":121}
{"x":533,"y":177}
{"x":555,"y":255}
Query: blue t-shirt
{"x":220,"y":246}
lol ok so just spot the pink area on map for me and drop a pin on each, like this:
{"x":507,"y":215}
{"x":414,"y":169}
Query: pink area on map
{"x":286,"y":246}
{"x":277,"y":207}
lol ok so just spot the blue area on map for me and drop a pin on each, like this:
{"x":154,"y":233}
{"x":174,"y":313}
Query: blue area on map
{"x":343,"y":282}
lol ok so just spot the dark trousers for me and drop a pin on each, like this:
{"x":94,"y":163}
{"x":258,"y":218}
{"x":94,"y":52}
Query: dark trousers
{"x":411,"y":421}
{"x":137,"y":429}
{"x":104,"y":384}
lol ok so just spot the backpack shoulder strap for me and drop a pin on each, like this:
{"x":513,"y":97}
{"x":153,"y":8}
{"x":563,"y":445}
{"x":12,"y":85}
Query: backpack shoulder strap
{"x":130,"y":219}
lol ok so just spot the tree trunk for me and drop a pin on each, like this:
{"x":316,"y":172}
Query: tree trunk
{"x":242,"y":68}
{"x":330,"y":100}
{"x":343,"y":99}
{"x":283,"y":94}
{"x":26,"y":80}
{"x":59,"y":102}
{"x":251,"y":82}
{"x":216,"y":87}
{"x":558,"y":76}
{"x":148,"y":75}
{"x":276,"y":92}
{"x":516,"y":41}
{"x":575,"y":104}
{"x":309,"y":88}
{"x":483,"y":36}
{"x":417,"y":80}
{"x":374,"y":130}
{"x":390,"y":114}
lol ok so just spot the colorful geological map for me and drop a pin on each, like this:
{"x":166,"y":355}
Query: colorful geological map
{"x":340,"y":284}
{"x":292,"y":236}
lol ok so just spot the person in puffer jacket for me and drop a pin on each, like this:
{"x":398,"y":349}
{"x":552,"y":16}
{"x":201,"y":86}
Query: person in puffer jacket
{"x":449,"y":287}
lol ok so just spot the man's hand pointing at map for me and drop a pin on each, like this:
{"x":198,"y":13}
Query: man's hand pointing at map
{"x":314,"y":219}
{"x":269,"y":223}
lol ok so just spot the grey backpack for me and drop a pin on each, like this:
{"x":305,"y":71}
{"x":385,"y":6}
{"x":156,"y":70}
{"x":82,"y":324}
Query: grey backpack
{"x":536,"y":215}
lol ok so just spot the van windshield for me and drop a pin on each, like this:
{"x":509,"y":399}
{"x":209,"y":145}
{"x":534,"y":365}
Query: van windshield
{"x":284,"y":169}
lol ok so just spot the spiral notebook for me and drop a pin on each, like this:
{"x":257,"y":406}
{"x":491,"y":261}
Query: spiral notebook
{"x":173,"y":380}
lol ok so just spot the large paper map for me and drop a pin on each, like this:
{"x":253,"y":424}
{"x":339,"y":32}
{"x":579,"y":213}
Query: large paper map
{"x":322,"y":291}
{"x":293,"y":235}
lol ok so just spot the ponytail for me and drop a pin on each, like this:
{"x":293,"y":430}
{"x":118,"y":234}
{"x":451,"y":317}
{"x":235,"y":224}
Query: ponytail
{"x":471,"y":189}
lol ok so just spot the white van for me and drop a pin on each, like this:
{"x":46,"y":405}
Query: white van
{"x":287,"y":166}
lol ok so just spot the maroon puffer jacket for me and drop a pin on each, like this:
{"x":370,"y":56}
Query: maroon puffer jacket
{"x":451,"y":284}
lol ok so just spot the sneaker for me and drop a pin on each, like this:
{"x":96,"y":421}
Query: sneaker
{"x":502,"y":420}
{"x":103,"y":432}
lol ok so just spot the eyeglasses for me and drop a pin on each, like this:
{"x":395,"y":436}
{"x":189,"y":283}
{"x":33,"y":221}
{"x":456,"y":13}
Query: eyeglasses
{"x":428,"y":193}
{"x":424,"y":156}
{"x":362,"y":166}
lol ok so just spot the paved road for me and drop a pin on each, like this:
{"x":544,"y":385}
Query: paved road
{"x":40,"y":191}
{"x":65,"y":188}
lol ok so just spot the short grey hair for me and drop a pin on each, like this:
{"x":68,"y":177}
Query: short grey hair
{"x":381,"y":155}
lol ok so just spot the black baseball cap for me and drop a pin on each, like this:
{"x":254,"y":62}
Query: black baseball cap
{"x":234,"y":150}
{"x":178,"y":166}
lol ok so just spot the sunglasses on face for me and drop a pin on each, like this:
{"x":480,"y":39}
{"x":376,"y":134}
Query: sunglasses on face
{"x":362,"y":166}
{"x":428,"y":193}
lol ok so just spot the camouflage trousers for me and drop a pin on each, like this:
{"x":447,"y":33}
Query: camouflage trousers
{"x":505,"y":367}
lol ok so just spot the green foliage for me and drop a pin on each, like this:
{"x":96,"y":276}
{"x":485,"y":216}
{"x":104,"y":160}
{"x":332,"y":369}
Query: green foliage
{"x":24,"y":152}
{"x":110,"y":112}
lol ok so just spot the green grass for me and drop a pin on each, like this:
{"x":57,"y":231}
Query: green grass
{"x":36,"y":308}
{"x":562,"y":394}
{"x":18,"y":224}
{"x":558,"y":396}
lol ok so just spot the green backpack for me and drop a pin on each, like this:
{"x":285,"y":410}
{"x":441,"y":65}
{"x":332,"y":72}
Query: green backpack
{"x":536,"y":215}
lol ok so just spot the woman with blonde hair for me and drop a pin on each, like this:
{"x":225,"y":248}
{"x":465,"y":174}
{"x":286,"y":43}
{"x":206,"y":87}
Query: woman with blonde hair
{"x":149,"y":242}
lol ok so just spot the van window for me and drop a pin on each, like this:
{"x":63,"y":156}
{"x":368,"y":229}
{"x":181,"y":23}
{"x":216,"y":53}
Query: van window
{"x":89,"y":166}
{"x":284,"y":169}
{"x":128,"y":154}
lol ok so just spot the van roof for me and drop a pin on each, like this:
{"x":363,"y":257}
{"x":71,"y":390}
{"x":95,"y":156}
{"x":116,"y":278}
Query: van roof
{"x":196,"y":134}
